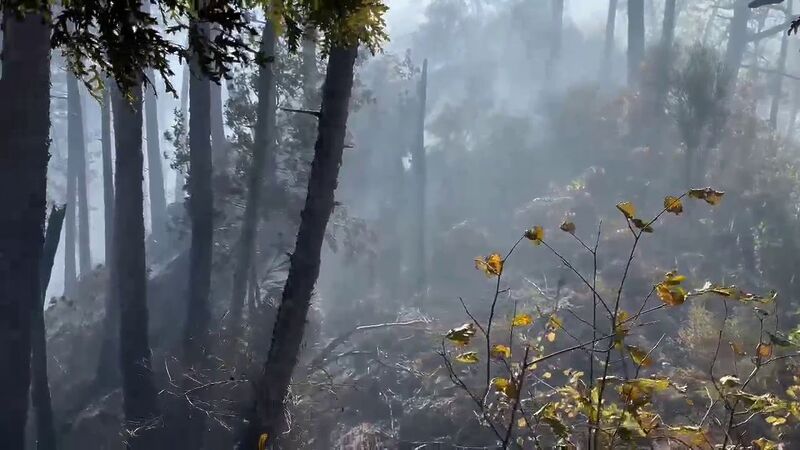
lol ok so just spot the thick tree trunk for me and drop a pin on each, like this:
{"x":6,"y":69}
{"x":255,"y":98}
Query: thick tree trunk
{"x":40,"y":387}
{"x":139,"y":393}
{"x":419,"y":163}
{"x":777,"y":83}
{"x":635,"y":41}
{"x":84,"y":247}
{"x":263,"y":161}
{"x":665,"y":57}
{"x":24,"y":141}
{"x":608,"y":46}
{"x":107,"y":373}
{"x":273,"y":384}
{"x":180,"y":178}
{"x":737,"y":43}
{"x":219,"y":143}
{"x":557,"y":27}
{"x":155,"y":172}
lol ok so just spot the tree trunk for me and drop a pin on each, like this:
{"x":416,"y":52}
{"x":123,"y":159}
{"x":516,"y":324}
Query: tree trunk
{"x":107,"y":373}
{"x":777,"y":83}
{"x":263,"y":161}
{"x":84,"y":247}
{"x":608,"y":47}
{"x":139,"y":393}
{"x":737,"y":43}
{"x":40,"y":387}
{"x":24,"y":141}
{"x":665,"y":58}
{"x":635,"y":41}
{"x":309,"y":70}
{"x":180,"y":179}
{"x":158,"y":200}
{"x":420,"y":173}
{"x":793,"y":113}
{"x":557,"y":26}
{"x":74,"y":138}
{"x":273,"y":384}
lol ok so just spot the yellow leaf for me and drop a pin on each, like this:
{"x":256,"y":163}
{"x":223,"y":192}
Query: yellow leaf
{"x":501,"y":351}
{"x":671,"y":296}
{"x":673,"y":205}
{"x":764,"y":350}
{"x":672,"y":278}
{"x":639,"y":356}
{"x":765,"y":444}
{"x":522,"y":423}
{"x":505,"y":386}
{"x":547,"y":375}
{"x":522,"y":320}
{"x":692,"y":435}
{"x":491,"y":265}
{"x":737,"y":348}
{"x":535,"y":234}
{"x":627,"y":209}
{"x":554,"y":323}
{"x":461,"y":335}
{"x":775,"y":421}
{"x":550,"y":336}
{"x":568,"y":227}
{"x":709,"y":195}
{"x":467,"y":358}
{"x":262,"y":441}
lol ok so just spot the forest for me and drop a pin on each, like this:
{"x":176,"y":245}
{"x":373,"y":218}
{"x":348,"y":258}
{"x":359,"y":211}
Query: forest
{"x":399,"y":224}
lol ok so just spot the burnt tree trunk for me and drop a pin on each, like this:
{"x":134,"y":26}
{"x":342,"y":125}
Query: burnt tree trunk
{"x":40,"y":386}
{"x":273,"y":383}
{"x":155,"y":172}
{"x":263,"y":161}
{"x":140,"y":402}
{"x":608,"y":46}
{"x":419,"y":164}
{"x":556,"y":30}
{"x":24,"y":142}
{"x":635,"y":41}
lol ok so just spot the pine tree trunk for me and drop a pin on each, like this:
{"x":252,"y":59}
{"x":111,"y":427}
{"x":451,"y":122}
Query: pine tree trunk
{"x":419,"y":163}
{"x":180,"y":179}
{"x":155,"y":172}
{"x":608,"y":46}
{"x":107,"y":374}
{"x":263,"y":161}
{"x":738,"y":35}
{"x":84,"y":247}
{"x":140,"y":402}
{"x":777,"y":84}
{"x":287,"y":335}
{"x":635,"y":41}
{"x":557,"y":26}
{"x":24,"y":141}
{"x":40,"y":387}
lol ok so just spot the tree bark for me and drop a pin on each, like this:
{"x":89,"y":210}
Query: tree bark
{"x":107,"y":373}
{"x":635,"y":41}
{"x":419,"y":163}
{"x":665,"y":57}
{"x":608,"y":47}
{"x":737,"y":43}
{"x":180,"y":178}
{"x":219,"y":143}
{"x":73,"y":147}
{"x":272,"y":385}
{"x":40,"y":387}
{"x":84,"y":247}
{"x":557,"y":26}
{"x":777,"y":82}
{"x":140,"y":402}
{"x":155,"y":172}
{"x":24,"y":142}
{"x":263,"y":161}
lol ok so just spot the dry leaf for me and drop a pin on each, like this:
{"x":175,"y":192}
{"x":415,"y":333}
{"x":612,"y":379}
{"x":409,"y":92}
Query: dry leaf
{"x":461,"y":335}
{"x":501,"y":351}
{"x":627,"y":209}
{"x":491,"y":265}
{"x":467,"y":358}
{"x":673,"y":205}
{"x":535,"y":234}
{"x":568,"y":227}
{"x":709,"y":195}
{"x":522,"y":320}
